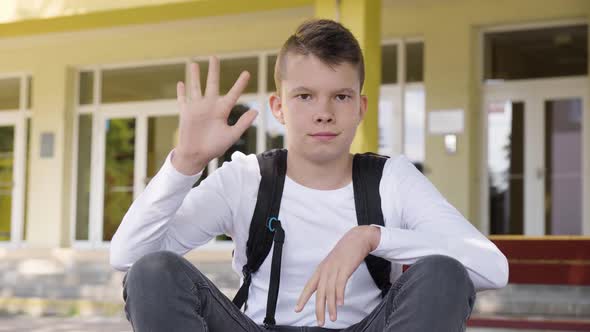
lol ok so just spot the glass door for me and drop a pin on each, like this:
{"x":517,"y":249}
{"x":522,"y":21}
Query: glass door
{"x":117,"y":172}
{"x":12,"y":176}
{"x":563,"y":166}
{"x":505,"y":166}
{"x":7,"y":156}
{"x":535,"y":180}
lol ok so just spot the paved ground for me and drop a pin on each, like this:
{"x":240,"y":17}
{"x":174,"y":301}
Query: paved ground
{"x":53,"y":324}
{"x":119,"y":324}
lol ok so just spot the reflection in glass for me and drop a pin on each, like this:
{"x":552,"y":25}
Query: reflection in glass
{"x":30,"y":92}
{"x":86,"y":82}
{"x":162,"y":138}
{"x":247,"y":142}
{"x":118,"y":180}
{"x":414,"y":122}
{"x":141,"y":83}
{"x":414,"y":62}
{"x":83,"y":176}
{"x":230,"y":71}
{"x":9,"y":93}
{"x":506,"y":167}
{"x":536,"y":53}
{"x":6,"y":180}
{"x":385,"y":120}
{"x":27,"y":180}
{"x":563,"y":163}
{"x":388,"y":64}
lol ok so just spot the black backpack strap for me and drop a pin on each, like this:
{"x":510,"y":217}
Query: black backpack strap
{"x":265,"y":227}
{"x":274,"y":225}
{"x":367,"y":169}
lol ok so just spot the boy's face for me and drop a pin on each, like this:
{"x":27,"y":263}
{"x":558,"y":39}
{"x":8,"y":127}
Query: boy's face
{"x":320,"y":106}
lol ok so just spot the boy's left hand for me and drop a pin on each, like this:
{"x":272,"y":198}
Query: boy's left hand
{"x":330,"y":278}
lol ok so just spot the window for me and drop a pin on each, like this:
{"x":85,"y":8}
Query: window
{"x":536,"y":53}
{"x":414,"y":62}
{"x":135,"y":142}
{"x":86,"y":93}
{"x":141,"y":83}
{"x":230,"y":70}
{"x":83,"y":181}
{"x":389,"y":64}
{"x":9,"y":94}
{"x":402,"y":124}
{"x":15,"y":103}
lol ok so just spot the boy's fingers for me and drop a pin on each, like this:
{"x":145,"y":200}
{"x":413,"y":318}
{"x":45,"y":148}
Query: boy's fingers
{"x":340,"y":287}
{"x":308,"y":290}
{"x":212,"y":88}
{"x":244,"y":122}
{"x":331,"y":296}
{"x":195,"y":80}
{"x":180,"y":93}
{"x":236,"y":90}
{"x":320,"y":302}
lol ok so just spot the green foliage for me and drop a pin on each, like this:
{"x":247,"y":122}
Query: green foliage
{"x":119,"y":159}
{"x":6,"y":179}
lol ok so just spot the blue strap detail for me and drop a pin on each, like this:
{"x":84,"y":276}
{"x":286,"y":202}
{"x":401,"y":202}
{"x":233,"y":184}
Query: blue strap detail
{"x":269,"y":225}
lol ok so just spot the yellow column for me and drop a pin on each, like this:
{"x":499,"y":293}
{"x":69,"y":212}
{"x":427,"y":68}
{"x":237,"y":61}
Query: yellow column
{"x":49,"y":179}
{"x":363,"y":19}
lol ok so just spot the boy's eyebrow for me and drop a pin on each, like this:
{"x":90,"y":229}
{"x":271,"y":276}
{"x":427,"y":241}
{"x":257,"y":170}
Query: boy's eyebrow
{"x":346,"y":90}
{"x":301,"y":89}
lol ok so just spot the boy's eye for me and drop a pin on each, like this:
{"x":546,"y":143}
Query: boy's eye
{"x":342,"y":97}
{"x":304,"y":96}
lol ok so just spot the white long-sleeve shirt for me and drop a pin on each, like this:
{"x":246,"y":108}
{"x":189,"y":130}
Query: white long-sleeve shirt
{"x":171,"y":215}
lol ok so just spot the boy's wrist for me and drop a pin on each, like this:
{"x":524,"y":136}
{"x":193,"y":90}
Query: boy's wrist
{"x":372,"y":236}
{"x":375,"y":237}
{"x":187,"y":165}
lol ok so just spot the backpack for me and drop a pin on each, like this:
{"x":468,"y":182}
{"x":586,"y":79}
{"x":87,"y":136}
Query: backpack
{"x":265,"y":227}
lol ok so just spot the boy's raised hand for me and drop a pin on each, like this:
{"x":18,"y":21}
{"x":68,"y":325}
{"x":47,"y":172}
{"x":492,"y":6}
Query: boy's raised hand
{"x":203,"y":132}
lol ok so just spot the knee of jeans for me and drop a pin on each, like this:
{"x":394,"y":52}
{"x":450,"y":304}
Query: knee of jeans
{"x":152,"y":268}
{"x":445,"y":270}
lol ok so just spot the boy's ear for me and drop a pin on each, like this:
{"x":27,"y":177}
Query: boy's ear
{"x":276,"y":107}
{"x":363,"y":108}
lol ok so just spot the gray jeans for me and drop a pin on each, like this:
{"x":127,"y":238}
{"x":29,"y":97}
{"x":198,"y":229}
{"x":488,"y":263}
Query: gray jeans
{"x":165,"y":292}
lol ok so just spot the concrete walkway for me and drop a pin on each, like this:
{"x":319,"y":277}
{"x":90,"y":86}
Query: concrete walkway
{"x":117,"y":324}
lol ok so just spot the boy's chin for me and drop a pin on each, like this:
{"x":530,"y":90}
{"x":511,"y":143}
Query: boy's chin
{"x":325,"y":154}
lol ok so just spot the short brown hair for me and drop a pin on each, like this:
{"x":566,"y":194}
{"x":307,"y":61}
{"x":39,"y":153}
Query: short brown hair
{"x":328,"y":40}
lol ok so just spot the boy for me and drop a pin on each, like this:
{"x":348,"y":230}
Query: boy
{"x":319,"y":77}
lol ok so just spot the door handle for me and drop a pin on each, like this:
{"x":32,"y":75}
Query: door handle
{"x":540,"y":173}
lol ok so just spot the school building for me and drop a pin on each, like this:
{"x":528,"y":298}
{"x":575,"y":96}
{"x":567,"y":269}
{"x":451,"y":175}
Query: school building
{"x":489,"y":97}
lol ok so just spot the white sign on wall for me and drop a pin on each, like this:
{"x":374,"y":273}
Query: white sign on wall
{"x":442,"y":122}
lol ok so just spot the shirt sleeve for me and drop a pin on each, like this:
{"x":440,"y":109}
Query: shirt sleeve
{"x":431,"y":226}
{"x":172,"y":215}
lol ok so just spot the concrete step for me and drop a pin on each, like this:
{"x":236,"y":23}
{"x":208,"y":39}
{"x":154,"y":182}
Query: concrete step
{"x":81,"y":282}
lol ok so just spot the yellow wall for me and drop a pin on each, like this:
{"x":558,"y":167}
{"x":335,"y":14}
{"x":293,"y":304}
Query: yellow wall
{"x":451,"y":35}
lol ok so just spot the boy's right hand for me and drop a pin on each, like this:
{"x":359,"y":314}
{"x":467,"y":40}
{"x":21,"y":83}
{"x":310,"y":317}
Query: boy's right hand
{"x":203,"y":132}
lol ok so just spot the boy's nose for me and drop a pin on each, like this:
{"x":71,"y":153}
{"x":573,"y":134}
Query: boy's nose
{"x":323,"y":117}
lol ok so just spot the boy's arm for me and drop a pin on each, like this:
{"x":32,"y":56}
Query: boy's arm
{"x":171,"y":215}
{"x":430,"y":225}
{"x":168,"y":215}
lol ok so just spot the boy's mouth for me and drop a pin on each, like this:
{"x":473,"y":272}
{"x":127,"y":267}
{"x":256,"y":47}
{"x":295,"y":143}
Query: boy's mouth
{"x":324,"y":136}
